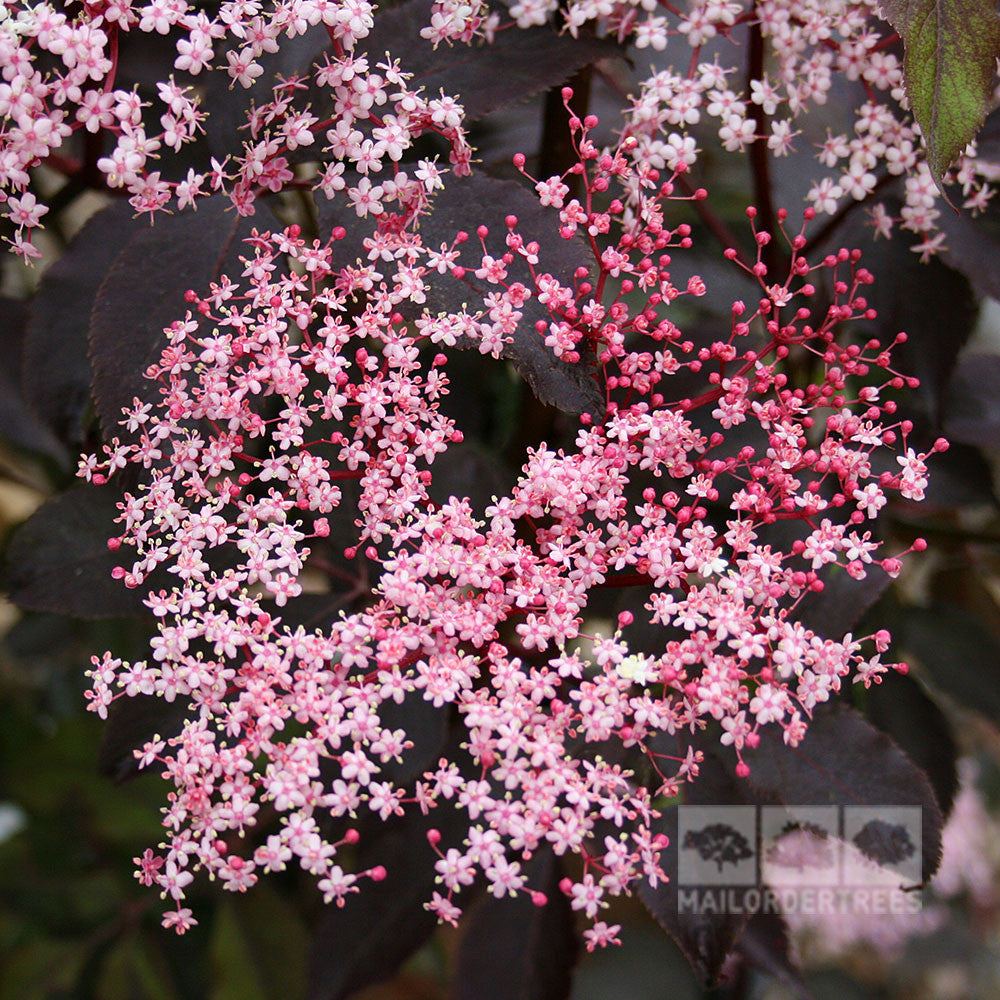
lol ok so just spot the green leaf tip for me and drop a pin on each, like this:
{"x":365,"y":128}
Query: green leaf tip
{"x":949,"y":66}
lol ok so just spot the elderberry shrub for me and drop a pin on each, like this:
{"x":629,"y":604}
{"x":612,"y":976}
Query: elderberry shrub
{"x":279,"y":391}
{"x":349,"y":638}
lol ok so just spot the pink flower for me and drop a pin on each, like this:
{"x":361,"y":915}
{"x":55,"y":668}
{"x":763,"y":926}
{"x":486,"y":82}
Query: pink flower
{"x":179,"y":920}
{"x":298,"y":404}
{"x":25,"y":211}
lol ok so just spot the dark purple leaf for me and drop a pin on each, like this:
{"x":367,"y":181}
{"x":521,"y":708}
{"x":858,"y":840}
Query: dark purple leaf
{"x":464,"y":205}
{"x":973,"y":248}
{"x":842,"y":603}
{"x":144,"y":58}
{"x":425,"y":725}
{"x":515,"y":66}
{"x":765,"y":945}
{"x":938,"y":321}
{"x":470,"y":472}
{"x":133,"y":722}
{"x":349,"y":580}
{"x":960,"y":477}
{"x":366,"y":940}
{"x":147,"y":58}
{"x":988,"y":139}
{"x":144,"y":292}
{"x":311,"y":611}
{"x":972,"y":405}
{"x":900,"y":707}
{"x":706,"y":938}
{"x":56,"y":371}
{"x":514,"y":950}
{"x":961,"y":656}
{"x":228,"y":103}
{"x":59,"y":559}
{"x":844,"y":760}
{"x":18,"y":425}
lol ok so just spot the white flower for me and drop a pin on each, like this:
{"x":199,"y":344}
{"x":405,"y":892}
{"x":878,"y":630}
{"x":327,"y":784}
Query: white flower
{"x":637,"y":668}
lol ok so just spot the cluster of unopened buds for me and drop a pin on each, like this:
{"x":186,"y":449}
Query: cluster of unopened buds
{"x":300,"y":397}
{"x":357,"y":119}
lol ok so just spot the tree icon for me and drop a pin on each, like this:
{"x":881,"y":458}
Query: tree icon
{"x":884,"y":843}
{"x":719,"y":842}
{"x":801,"y":845}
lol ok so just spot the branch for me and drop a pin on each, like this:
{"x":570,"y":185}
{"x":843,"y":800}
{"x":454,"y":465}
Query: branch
{"x":760,"y":162}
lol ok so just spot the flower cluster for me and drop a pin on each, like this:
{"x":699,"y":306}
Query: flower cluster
{"x":357,"y":119}
{"x":299,"y":400}
{"x":815,"y":47}
{"x":59,"y":73}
